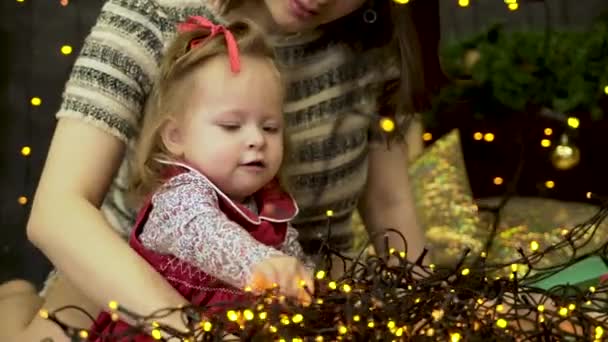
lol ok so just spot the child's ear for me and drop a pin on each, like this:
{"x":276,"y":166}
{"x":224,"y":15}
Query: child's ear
{"x":172,"y":137}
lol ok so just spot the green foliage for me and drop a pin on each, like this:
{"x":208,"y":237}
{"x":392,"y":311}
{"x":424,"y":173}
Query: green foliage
{"x":563,"y":70}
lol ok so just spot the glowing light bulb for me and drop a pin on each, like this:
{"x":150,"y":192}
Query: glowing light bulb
{"x":387,"y":124}
{"x":66,"y":50}
{"x":573,"y":122}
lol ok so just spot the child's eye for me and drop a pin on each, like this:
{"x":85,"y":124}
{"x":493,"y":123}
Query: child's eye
{"x":271,"y":129}
{"x":230,"y":126}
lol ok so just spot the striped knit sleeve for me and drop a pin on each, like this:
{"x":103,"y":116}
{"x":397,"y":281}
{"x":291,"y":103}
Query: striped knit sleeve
{"x":114,"y":72}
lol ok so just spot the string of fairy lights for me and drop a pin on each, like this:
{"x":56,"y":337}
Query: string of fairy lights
{"x":392,"y":299}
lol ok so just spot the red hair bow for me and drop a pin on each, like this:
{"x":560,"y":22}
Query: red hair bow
{"x":197,"y":22}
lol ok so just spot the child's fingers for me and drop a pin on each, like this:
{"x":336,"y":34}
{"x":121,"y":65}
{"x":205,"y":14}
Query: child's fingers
{"x":263,"y":279}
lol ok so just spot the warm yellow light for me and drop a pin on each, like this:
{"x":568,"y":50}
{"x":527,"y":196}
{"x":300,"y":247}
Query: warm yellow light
{"x":329,"y":213}
{"x":66,"y":50}
{"x":489,"y":137}
{"x":22,"y":200}
{"x":550,"y":184}
{"x":606,"y":90}
{"x":427,"y":136}
{"x":545,"y":143}
{"x":263,"y":315}
{"x":113,"y":305}
{"x":387,"y":124}
{"x":356,"y":318}
{"x":514,"y":6}
{"x":332,"y":285}
{"x":232,"y":315}
{"x":402,"y":2}
{"x":500,"y":308}
{"x":83,"y":334}
{"x":248,"y":314}
{"x":540,"y":308}
{"x":592,"y":289}
{"x":455,"y":337}
{"x":26,"y":150}
{"x":156,"y":334}
{"x":534,"y":246}
{"x":548,"y":131}
{"x":465,"y":272}
{"x":463,"y":3}
{"x":342,"y":330}
{"x":501,"y":323}
{"x":297,"y":318}
{"x":563,"y":311}
{"x":573,"y":122}
{"x":477,"y":136}
{"x":43,"y":313}
{"x":206,"y":326}
{"x":320,"y":275}
{"x":346,"y":288}
{"x":498,"y":180}
{"x":599,"y":332}
{"x":36,"y":101}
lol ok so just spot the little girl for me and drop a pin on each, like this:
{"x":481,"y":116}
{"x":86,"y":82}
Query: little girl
{"x":214,"y":218}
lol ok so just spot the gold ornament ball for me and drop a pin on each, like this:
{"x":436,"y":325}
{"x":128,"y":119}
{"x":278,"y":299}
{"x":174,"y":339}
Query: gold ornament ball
{"x":566,"y":155}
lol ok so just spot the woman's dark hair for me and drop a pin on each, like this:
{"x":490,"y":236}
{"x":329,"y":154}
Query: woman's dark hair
{"x":414,"y":31}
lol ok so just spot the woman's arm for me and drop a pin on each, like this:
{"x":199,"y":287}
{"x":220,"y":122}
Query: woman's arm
{"x":387,"y":201}
{"x":101,"y":108}
{"x":67,"y":225}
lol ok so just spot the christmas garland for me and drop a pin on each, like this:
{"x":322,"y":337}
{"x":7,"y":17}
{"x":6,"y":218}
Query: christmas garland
{"x":500,"y":72}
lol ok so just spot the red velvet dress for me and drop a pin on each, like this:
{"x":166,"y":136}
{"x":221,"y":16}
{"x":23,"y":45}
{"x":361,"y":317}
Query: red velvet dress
{"x":270,"y":229}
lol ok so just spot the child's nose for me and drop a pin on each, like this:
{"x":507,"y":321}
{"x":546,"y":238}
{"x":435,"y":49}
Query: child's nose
{"x":255,"y":138}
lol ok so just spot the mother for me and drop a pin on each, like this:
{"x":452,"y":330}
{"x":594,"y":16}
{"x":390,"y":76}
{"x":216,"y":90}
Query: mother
{"x":347,"y":61}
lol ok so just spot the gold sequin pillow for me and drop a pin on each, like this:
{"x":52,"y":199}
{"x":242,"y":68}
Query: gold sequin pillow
{"x":444,"y":201}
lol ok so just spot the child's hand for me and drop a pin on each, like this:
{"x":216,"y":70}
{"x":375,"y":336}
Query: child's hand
{"x":288,"y":273}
